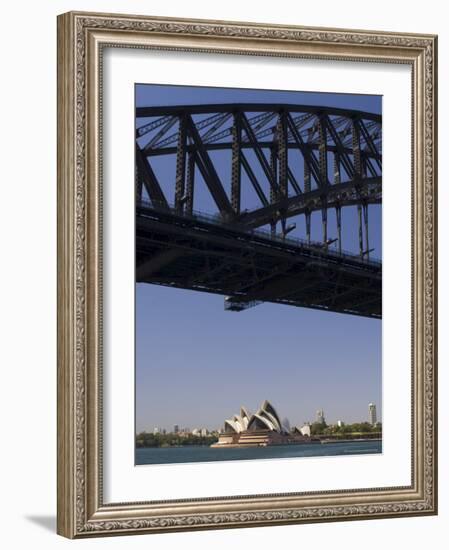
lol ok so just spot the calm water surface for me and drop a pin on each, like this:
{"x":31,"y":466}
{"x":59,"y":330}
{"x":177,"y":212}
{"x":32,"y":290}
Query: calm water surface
{"x":170,"y":455}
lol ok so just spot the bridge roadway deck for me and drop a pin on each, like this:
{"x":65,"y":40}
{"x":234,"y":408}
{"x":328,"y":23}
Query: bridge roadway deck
{"x":250,"y":266}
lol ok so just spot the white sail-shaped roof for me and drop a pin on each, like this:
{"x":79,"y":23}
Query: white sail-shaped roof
{"x":266,"y":418}
{"x":260,"y":422}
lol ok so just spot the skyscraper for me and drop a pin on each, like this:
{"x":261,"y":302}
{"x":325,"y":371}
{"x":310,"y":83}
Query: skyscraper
{"x":320,"y":417}
{"x":372,"y":414}
{"x":176,"y":428}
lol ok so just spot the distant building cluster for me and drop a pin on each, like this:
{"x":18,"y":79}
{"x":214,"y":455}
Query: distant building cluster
{"x":200,"y":432}
{"x":157,"y":430}
{"x":372,"y":417}
{"x":184,"y":432}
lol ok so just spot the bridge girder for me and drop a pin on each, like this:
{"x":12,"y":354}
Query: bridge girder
{"x":250,"y":267}
{"x":306,"y":144}
{"x":295,"y":160}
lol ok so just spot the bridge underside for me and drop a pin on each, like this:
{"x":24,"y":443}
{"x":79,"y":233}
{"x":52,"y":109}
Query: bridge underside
{"x":254,"y":166}
{"x":248,"y":267}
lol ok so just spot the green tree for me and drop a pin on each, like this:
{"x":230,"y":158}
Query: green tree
{"x":318,"y":428}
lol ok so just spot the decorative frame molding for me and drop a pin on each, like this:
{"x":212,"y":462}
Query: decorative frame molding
{"x":81,"y":37}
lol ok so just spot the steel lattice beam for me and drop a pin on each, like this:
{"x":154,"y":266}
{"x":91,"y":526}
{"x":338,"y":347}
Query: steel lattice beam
{"x":292,"y":160}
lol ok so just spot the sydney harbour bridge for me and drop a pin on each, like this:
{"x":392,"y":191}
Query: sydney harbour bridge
{"x":265,"y":168}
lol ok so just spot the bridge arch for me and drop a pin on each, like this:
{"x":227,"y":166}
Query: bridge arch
{"x":295,"y":162}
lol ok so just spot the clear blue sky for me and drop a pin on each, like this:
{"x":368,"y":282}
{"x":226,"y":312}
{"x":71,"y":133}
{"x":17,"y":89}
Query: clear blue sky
{"x":196,"y":364}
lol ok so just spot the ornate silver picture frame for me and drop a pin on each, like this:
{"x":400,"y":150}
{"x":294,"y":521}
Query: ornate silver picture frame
{"x":83,"y":510}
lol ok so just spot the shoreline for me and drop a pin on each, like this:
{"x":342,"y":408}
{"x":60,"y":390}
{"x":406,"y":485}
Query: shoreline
{"x":358,"y":440}
{"x":237,"y":446}
{"x":292,"y":444}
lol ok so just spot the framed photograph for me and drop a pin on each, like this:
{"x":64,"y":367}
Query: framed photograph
{"x":246,"y":274}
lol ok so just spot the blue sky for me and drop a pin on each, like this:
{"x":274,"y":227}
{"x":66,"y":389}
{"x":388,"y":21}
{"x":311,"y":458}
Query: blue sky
{"x":196,"y":363}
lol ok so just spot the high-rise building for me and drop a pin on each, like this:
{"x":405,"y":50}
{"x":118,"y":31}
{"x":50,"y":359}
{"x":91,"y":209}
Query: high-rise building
{"x":372,"y":414}
{"x":320,"y":417}
{"x":176,"y":429}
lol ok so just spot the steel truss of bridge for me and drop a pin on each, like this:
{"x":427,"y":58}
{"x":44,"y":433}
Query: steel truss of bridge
{"x":297,"y":160}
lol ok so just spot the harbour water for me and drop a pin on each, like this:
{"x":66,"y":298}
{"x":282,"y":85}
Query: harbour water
{"x":194,"y":453}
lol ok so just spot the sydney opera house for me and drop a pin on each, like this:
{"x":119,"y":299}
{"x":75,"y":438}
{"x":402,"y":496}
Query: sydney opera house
{"x":260,"y":429}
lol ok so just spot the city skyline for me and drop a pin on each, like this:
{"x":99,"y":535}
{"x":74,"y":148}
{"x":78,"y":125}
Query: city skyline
{"x":196,"y":363}
{"x":370,"y":418}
